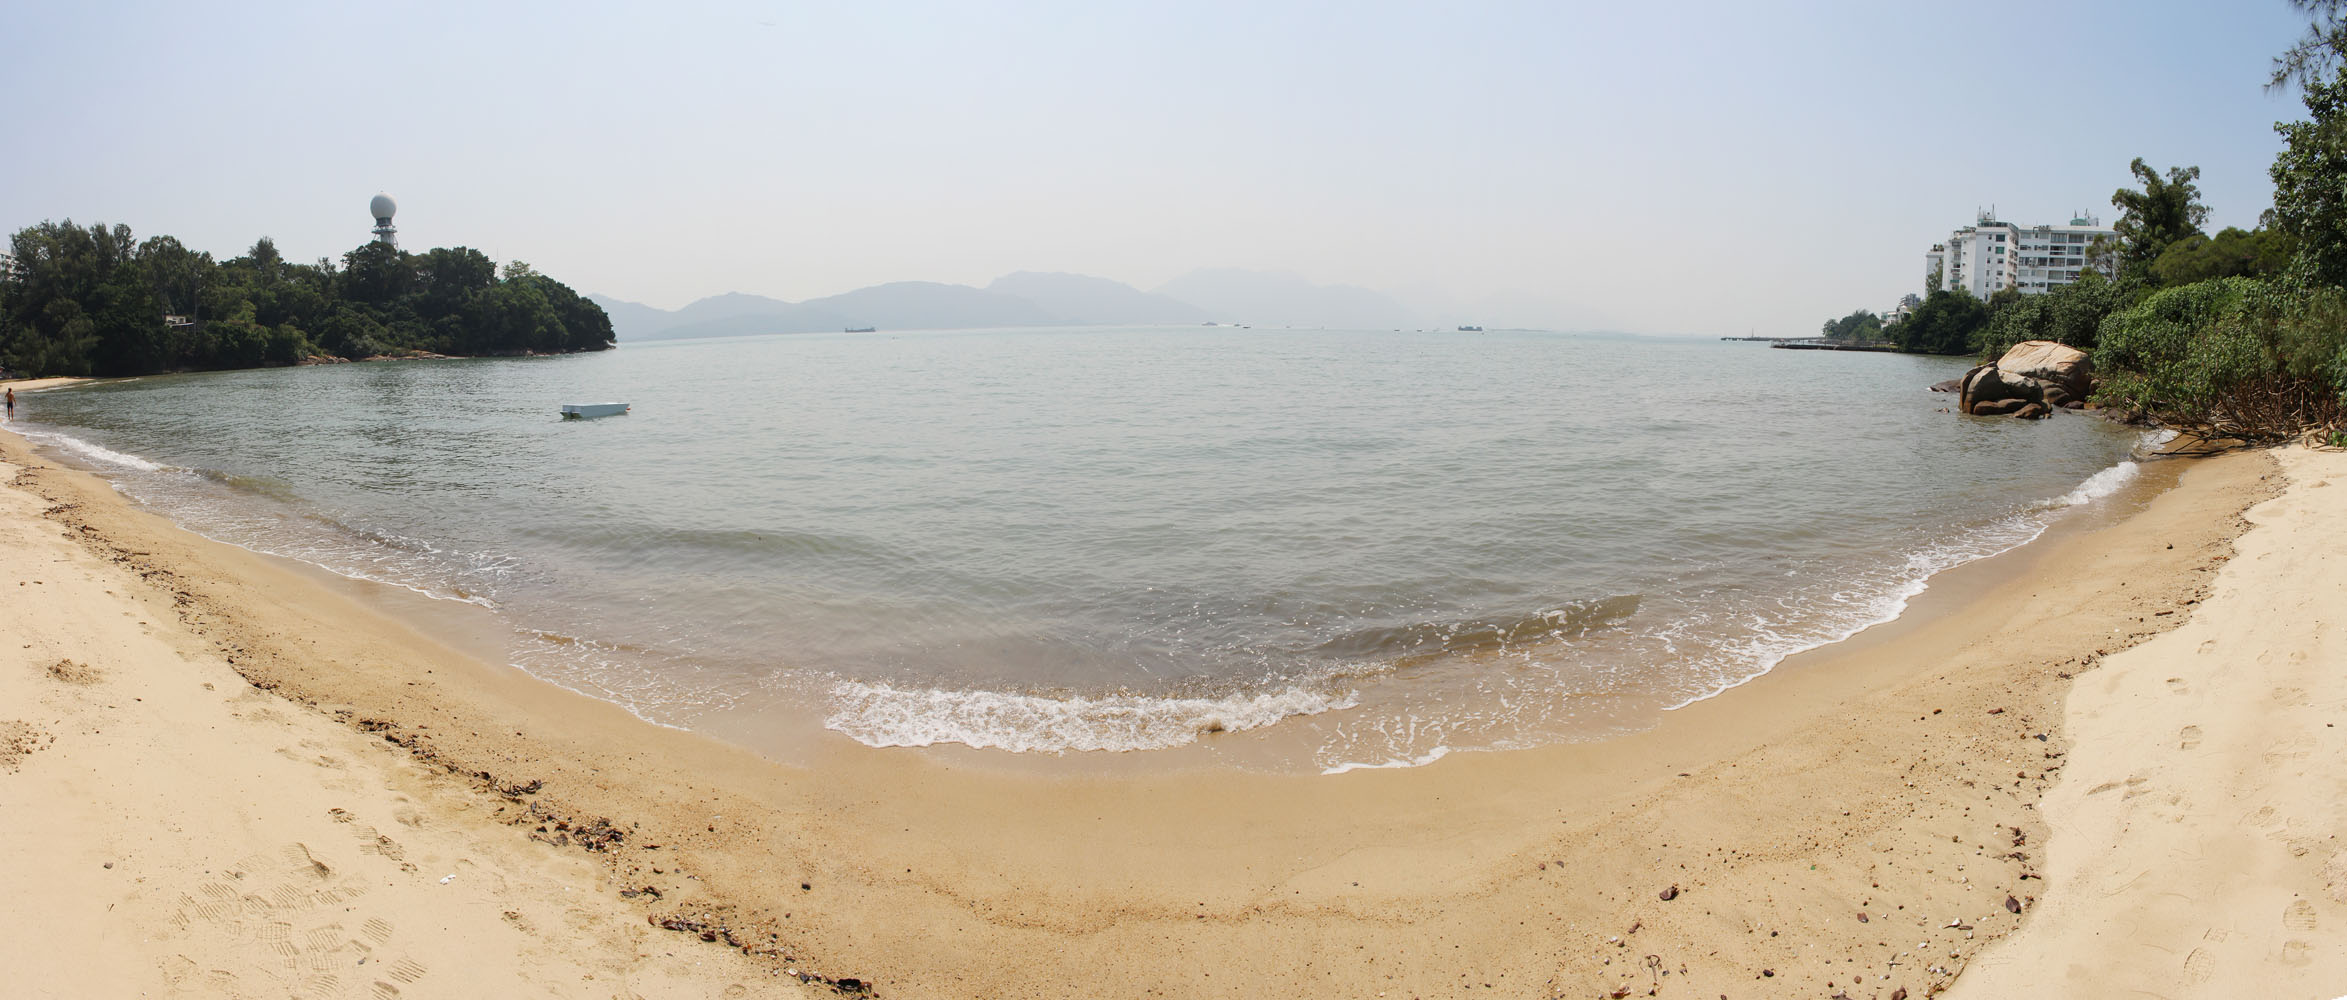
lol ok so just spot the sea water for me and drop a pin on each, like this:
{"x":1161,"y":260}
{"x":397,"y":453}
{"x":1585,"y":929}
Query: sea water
{"x":1389,"y":545}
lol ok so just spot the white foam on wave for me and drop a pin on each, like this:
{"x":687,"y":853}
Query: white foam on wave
{"x":94,"y":452}
{"x":1769,"y":649}
{"x":368,"y":558}
{"x":2101,"y":484}
{"x":883,"y":715}
{"x":1420,"y":760}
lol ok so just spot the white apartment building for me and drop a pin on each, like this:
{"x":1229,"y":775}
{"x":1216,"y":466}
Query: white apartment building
{"x":1990,"y":256}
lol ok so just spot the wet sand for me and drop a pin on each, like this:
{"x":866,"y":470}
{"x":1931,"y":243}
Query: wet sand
{"x":1853,"y":822}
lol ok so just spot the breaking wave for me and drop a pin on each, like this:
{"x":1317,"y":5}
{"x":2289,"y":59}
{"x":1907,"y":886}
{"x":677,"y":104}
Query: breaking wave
{"x":884,"y":715}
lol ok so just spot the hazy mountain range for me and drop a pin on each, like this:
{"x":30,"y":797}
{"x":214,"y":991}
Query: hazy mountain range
{"x":1030,"y":298}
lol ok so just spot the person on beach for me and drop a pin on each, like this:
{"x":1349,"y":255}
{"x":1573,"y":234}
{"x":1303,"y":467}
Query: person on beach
{"x":12,"y":404}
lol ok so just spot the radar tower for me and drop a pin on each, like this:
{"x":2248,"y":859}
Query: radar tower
{"x":382,"y":209}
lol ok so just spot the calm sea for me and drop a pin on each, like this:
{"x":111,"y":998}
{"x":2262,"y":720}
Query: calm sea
{"x":1394,"y":545}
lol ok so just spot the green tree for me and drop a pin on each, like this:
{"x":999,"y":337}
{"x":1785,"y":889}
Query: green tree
{"x":1858,"y":327}
{"x":376,"y":274}
{"x":2162,"y":213}
{"x":237,"y":343}
{"x":71,"y":293}
{"x":585,"y":325}
{"x":2310,"y":185}
{"x":449,"y":277}
{"x":92,"y":301}
{"x":350,"y":333}
{"x":2232,"y":252}
{"x":265,"y":263}
{"x":2324,"y":46}
{"x":1946,"y":323}
{"x":2066,"y":314}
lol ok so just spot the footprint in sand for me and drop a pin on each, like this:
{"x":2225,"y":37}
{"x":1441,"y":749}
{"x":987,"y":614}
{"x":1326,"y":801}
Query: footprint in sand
{"x":2334,"y":876}
{"x":2297,"y":953}
{"x":2189,"y":738}
{"x":2299,"y":915}
{"x":373,"y":842}
{"x":2176,"y":685}
{"x":287,"y":908}
{"x":2198,"y":967}
{"x":2290,"y":695}
{"x":2294,"y":748}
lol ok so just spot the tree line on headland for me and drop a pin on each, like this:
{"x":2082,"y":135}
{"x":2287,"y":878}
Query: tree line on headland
{"x":2244,"y":332}
{"x":94,"y":301}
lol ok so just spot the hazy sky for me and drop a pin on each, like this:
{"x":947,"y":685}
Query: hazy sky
{"x":1655,"y":168}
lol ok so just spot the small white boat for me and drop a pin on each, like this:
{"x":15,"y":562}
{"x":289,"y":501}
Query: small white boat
{"x":587,"y":410}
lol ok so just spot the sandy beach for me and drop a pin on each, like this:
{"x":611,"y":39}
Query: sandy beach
{"x":221,"y":776}
{"x":2196,"y":844}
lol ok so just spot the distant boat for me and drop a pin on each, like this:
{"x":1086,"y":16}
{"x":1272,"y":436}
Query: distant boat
{"x":860,"y":329}
{"x":582,"y":411}
{"x":1470,"y":329}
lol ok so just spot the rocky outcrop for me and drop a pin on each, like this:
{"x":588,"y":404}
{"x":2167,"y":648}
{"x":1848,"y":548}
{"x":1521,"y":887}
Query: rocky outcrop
{"x":2030,"y":381}
{"x":2047,"y":361}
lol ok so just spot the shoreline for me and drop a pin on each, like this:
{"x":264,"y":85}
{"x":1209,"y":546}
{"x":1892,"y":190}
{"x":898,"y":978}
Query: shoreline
{"x":1249,"y":744}
{"x":925,"y":876}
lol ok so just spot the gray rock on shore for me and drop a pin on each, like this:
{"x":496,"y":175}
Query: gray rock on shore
{"x":2030,"y":381}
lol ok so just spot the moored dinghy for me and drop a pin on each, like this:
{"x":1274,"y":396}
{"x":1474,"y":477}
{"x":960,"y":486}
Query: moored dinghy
{"x":586,"y":410}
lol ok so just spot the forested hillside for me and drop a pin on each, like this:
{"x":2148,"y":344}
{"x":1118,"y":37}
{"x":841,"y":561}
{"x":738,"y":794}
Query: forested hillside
{"x":95,"y":301}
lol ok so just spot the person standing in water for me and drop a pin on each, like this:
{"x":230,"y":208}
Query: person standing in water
{"x":12,"y":404}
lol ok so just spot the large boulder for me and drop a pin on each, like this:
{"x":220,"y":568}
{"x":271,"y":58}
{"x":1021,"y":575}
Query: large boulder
{"x":2037,"y":373}
{"x":2047,"y":361}
{"x":1989,"y":383}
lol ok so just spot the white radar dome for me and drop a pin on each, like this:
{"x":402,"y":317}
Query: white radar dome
{"x":382,"y":206}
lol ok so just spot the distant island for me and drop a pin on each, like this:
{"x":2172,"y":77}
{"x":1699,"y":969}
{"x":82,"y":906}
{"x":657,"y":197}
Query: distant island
{"x":94,"y":301}
{"x":1026,"y":298}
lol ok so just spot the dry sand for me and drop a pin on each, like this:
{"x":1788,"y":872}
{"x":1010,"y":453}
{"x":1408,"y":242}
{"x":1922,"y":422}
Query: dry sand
{"x":2197,"y":833}
{"x":1852,"y":823}
{"x":171,"y":830}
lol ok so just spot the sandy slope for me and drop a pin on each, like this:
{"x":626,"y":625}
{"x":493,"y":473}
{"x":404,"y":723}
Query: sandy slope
{"x":2200,"y":832}
{"x":173,"y":831}
{"x":1843,"y":825}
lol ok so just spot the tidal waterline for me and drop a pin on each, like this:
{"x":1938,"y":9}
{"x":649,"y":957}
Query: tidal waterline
{"x":1402,"y":544}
